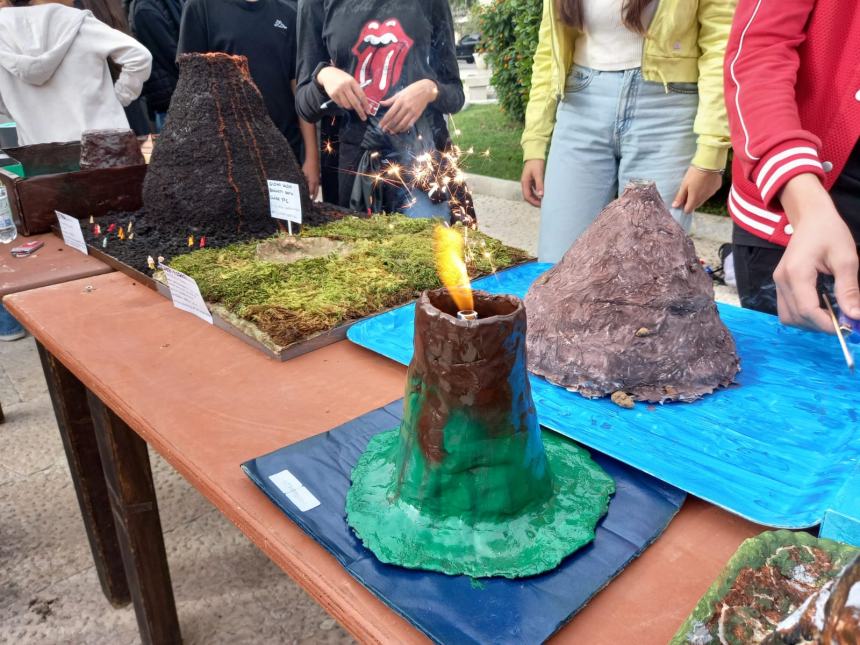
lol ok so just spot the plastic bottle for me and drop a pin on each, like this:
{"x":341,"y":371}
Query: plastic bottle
{"x":8,"y":232}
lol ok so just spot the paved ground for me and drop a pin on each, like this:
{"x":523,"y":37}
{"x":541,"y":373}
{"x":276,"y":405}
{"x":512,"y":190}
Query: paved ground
{"x":226,"y":590}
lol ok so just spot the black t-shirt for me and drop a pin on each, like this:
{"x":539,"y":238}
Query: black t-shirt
{"x":264,"y":31}
{"x":386,"y":45}
{"x":846,"y":196}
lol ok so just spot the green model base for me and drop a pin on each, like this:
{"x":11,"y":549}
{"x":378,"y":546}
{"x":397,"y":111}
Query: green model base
{"x":534,"y":540}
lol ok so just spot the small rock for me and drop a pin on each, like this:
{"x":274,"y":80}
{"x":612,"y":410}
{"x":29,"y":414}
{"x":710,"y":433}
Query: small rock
{"x":623,"y":400}
{"x":642,"y":332}
{"x":327,"y":625}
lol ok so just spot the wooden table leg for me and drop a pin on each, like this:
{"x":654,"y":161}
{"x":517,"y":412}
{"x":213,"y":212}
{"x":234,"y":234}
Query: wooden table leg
{"x":132,"y":496}
{"x":69,"y":399}
{"x":2,"y":418}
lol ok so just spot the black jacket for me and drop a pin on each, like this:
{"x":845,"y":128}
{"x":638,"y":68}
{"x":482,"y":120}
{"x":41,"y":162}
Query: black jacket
{"x":155,"y":24}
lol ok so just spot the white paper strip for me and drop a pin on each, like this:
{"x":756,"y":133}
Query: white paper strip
{"x":70,"y":228}
{"x":295,"y":491}
{"x":185,"y":293}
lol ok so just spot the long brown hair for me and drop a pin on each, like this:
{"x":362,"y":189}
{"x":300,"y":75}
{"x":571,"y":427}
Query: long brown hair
{"x":632,"y":12}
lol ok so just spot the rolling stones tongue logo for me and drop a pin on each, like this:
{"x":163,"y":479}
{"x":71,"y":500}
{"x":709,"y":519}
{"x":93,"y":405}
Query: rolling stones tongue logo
{"x":381,"y":50}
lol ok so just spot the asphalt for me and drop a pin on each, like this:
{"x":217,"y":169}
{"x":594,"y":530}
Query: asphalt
{"x":226,"y":591}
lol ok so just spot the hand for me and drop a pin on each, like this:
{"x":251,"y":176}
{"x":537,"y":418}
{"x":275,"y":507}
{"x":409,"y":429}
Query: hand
{"x":407,"y":106}
{"x":311,"y":170}
{"x":344,"y":90}
{"x":821,"y":243}
{"x":697,"y":187}
{"x":531,"y":181}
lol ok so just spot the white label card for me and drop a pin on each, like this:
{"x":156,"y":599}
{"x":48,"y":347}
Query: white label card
{"x":285,"y":201}
{"x":295,"y":491}
{"x":70,"y":227}
{"x":185,"y":293}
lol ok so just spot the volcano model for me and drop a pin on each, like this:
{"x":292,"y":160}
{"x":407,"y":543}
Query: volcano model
{"x":467,"y":484}
{"x":381,"y":51}
{"x":630,"y":309}
{"x":210,"y":165}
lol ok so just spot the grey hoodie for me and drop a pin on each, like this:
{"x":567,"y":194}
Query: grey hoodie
{"x":54,"y":77}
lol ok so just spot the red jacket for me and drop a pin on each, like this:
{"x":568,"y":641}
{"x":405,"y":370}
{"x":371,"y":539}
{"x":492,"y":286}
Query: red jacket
{"x":792,"y":74}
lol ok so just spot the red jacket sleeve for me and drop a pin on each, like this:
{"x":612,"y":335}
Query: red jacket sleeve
{"x":761,"y":66}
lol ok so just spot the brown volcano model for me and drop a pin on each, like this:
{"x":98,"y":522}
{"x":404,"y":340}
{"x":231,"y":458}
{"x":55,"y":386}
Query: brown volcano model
{"x":629,"y":308}
{"x":210,"y":165}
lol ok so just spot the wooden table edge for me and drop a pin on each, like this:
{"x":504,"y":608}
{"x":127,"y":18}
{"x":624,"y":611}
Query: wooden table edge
{"x":365,"y":630}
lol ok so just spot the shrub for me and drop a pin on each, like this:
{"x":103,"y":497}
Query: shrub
{"x":509,"y":37}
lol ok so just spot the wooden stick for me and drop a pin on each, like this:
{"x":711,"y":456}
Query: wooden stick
{"x":849,"y":359}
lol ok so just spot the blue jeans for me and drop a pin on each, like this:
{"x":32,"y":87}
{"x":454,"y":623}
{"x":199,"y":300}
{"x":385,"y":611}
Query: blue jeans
{"x":160,"y":118}
{"x":8,"y":325}
{"x":612,"y":127}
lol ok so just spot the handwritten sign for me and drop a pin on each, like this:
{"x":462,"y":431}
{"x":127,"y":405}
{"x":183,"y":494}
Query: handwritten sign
{"x":295,"y":491}
{"x":185,"y":293}
{"x":285,"y":202}
{"x":70,"y":227}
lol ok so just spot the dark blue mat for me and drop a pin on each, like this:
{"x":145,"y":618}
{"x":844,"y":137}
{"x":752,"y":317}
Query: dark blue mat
{"x":777,"y":449}
{"x":457,"y":609}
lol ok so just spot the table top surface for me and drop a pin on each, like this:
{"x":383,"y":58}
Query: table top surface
{"x":208,"y":402}
{"x":52,"y":264}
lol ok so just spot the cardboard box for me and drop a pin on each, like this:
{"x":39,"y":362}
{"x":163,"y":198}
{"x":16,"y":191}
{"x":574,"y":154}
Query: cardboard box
{"x":54,"y":181}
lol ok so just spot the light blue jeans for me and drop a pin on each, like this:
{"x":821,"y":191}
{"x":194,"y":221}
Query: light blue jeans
{"x":612,"y":127}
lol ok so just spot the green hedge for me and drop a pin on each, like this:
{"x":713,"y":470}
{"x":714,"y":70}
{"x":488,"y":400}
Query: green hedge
{"x":509,"y":35}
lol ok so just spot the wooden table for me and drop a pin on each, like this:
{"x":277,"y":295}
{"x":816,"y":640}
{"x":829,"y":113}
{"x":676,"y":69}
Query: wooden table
{"x":207,"y":402}
{"x":52,"y":264}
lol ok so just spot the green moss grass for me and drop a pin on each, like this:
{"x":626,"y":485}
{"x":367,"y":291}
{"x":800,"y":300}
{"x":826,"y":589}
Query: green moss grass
{"x":390,"y":261}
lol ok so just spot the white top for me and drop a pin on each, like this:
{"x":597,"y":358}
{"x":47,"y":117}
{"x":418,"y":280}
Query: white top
{"x":54,"y":76}
{"x":605,"y":43}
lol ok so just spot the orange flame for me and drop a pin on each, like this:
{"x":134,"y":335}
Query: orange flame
{"x":452,"y":267}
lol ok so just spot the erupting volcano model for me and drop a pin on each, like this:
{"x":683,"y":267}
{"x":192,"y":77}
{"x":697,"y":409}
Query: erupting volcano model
{"x":467,"y":484}
{"x":210,"y":165}
{"x":629,"y":309}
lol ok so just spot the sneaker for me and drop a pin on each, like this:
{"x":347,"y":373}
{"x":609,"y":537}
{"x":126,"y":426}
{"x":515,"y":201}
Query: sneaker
{"x":15,"y":335}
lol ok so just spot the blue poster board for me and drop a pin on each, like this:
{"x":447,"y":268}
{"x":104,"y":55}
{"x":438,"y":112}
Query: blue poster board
{"x":458,"y":609}
{"x":777,"y":448}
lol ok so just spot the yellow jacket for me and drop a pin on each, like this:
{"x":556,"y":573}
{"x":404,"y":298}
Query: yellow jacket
{"x":686,"y":43}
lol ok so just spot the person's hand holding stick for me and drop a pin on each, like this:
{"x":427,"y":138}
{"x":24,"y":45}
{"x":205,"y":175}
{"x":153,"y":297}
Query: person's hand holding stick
{"x":344,"y":90}
{"x":821,"y":243}
{"x":407,"y":106}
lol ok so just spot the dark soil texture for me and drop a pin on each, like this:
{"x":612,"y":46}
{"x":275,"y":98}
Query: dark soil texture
{"x":153,"y":238}
{"x":219,"y":147}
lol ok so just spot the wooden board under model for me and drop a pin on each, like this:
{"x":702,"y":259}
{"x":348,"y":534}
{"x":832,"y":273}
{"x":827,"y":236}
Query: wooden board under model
{"x":55,"y":181}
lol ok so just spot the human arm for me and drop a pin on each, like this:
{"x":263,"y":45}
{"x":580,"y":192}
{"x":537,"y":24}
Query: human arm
{"x":540,"y":112}
{"x":314,"y":62}
{"x":133,"y":59}
{"x":711,"y":126}
{"x":193,"y":33}
{"x":781,"y":157}
{"x":311,"y":165}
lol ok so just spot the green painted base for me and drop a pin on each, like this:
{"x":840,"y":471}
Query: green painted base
{"x":531,"y":542}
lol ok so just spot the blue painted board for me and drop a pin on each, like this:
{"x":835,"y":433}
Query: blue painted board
{"x":776,"y":449}
{"x":456,"y":609}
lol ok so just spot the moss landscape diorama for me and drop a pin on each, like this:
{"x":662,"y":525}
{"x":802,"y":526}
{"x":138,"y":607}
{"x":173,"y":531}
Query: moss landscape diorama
{"x":366,"y":265}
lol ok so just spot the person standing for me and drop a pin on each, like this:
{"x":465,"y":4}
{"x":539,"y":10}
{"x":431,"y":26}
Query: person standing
{"x":55,"y":81}
{"x":793,"y":93}
{"x":264,"y":31}
{"x":621,"y":90}
{"x":155,"y":23}
{"x":388,"y":70}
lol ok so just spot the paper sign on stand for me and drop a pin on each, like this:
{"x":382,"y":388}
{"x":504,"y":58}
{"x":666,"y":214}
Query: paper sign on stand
{"x":285,"y":202}
{"x":185,"y":293}
{"x":70,"y":227}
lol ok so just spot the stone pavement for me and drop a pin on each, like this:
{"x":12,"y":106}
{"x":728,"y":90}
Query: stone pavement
{"x":226,"y":590}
